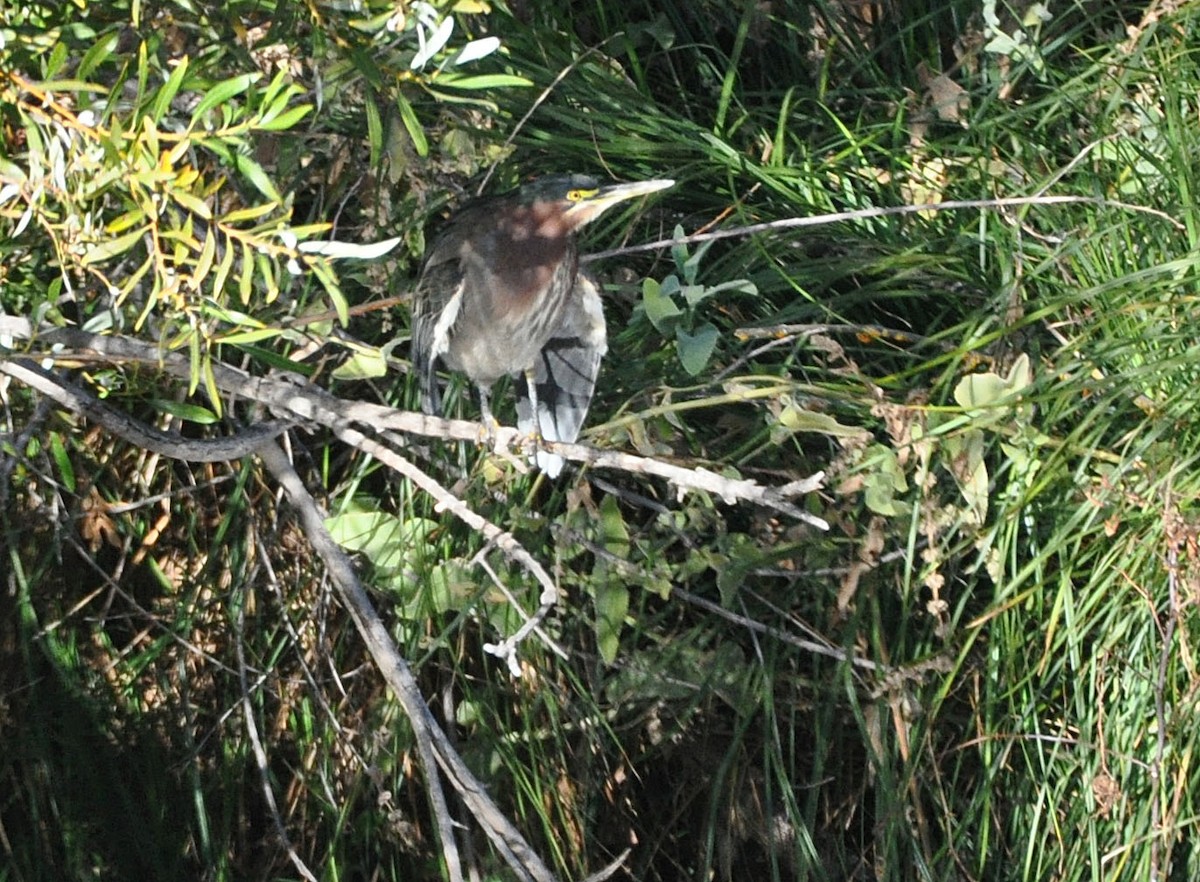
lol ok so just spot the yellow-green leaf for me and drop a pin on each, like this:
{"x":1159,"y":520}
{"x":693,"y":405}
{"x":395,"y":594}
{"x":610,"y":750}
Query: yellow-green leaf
{"x":366,"y":364}
{"x":286,"y":119}
{"x":484,"y":81}
{"x":162,"y":101}
{"x":218,"y":284}
{"x":246,"y":281}
{"x":255,"y":174}
{"x":112,"y":247}
{"x":192,"y":203}
{"x":193,"y":413}
{"x":412,"y":125}
{"x":254,"y":212}
{"x":223,"y":91}
{"x":204,"y":263}
{"x":66,"y":471}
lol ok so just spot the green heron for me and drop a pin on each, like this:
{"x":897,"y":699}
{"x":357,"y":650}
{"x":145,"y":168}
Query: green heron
{"x":501,"y":293}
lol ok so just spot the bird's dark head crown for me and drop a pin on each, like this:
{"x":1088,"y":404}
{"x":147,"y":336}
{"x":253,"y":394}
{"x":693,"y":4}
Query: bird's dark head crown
{"x":558,"y":188}
{"x":580,"y":199}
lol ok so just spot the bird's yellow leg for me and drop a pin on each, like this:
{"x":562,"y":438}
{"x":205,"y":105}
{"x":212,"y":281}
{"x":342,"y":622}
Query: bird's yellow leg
{"x":531,"y":384}
{"x":488,"y":423}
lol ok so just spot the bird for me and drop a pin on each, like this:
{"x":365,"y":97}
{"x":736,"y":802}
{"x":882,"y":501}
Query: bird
{"x":501,"y":294}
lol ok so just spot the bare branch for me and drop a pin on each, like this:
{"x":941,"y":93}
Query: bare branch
{"x":817,"y":220}
{"x":291,"y":401}
{"x":433,"y":746}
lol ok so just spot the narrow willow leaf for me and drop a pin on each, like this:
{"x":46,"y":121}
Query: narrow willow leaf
{"x":231,"y":316}
{"x":210,"y":385}
{"x":304,"y":231}
{"x":273,"y":91}
{"x":374,"y":129}
{"x":112,"y":247}
{"x":72,"y":85}
{"x":193,"y":341}
{"x":483,"y":81}
{"x":432,"y":44}
{"x":97,"y":55}
{"x":246,"y":280}
{"x":222,"y":92}
{"x":135,"y":279}
{"x":23,"y":222}
{"x":123,"y":222}
{"x":325,"y":276}
{"x":333,"y":249}
{"x":192,"y":413}
{"x":286,"y":119}
{"x":166,"y":94}
{"x":254,"y":212}
{"x":257,"y":176}
{"x":365,"y":64}
{"x":208,"y":251}
{"x":66,"y":471}
{"x":743,"y":286}
{"x":266,"y":269}
{"x":275,"y":360}
{"x":244,"y":337}
{"x":218,"y":283}
{"x":476,"y":50}
{"x":192,"y":203}
{"x":413,"y":126}
{"x":143,"y":68}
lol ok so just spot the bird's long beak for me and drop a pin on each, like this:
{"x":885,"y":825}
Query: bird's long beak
{"x":595,"y":204}
{"x":614,"y":193}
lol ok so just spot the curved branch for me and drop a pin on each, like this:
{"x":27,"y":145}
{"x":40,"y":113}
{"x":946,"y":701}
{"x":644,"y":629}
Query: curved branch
{"x":289,"y":400}
{"x":77,"y":400}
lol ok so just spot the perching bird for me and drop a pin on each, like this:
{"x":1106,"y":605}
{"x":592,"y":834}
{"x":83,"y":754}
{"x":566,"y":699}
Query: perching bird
{"x":501,"y":293}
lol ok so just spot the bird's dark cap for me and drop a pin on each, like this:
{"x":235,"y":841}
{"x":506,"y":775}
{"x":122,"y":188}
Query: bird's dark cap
{"x":577,"y":188}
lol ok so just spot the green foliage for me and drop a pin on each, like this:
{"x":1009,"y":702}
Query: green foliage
{"x":1002,"y":402}
{"x":671,"y":306}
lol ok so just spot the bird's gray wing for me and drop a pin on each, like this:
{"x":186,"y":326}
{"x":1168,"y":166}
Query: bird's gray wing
{"x":435,"y":305}
{"x":565,"y":373}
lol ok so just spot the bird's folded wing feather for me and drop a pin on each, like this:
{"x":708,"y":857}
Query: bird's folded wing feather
{"x":436,"y":304}
{"x":565,"y":373}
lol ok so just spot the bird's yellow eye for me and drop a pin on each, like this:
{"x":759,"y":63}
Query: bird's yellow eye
{"x":580,"y":195}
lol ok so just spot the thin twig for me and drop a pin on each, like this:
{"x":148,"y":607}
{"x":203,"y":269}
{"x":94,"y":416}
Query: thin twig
{"x":538,"y":102}
{"x":432,"y":743}
{"x":395,"y":670}
{"x":260,"y":755}
{"x":776,"y":633}
{"x":818,"y":220}
{"x":502,"y":539}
